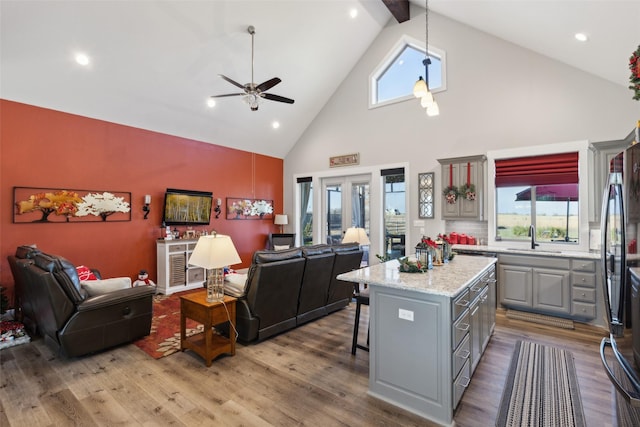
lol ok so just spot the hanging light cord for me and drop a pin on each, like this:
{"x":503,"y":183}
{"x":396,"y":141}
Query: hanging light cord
{"x":426,"y":60}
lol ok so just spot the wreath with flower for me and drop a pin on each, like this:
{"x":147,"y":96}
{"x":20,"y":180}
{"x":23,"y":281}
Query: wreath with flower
{"x":468,"y":191}
{"x":634,"y":66}
{"x":451,"y":193}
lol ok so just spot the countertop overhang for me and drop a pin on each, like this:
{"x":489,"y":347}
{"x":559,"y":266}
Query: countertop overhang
{"x":445,"y":280}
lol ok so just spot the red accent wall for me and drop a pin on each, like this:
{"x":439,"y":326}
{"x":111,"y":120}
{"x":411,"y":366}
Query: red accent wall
{"x":46,"y":148}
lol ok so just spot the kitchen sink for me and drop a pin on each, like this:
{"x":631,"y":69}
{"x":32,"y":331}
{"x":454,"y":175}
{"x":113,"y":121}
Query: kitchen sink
{"x":542,"y":251}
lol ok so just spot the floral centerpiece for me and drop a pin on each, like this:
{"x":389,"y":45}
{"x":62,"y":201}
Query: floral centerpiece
{"x":634,"y":66}
{"x":407,"y":266}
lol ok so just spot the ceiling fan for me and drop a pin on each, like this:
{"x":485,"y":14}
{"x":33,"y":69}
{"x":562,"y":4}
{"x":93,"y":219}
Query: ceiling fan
{"x":253,"y":93}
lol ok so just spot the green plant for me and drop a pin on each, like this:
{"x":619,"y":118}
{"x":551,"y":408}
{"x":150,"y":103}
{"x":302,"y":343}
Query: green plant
{"x":384,"y":258}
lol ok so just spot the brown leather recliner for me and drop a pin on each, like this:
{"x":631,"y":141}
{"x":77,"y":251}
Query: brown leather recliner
{"x":24,"y":310}
{"x":315,"y":282}
{"x":348,"y":258}
{"x":75,"y":324}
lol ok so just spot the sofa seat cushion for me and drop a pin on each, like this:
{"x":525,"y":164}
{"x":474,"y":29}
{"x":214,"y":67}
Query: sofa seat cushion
{"x":105,"y":286}
{"x":235,"y":284}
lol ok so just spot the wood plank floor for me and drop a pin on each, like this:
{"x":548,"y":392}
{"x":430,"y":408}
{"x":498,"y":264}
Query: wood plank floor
{"x":303,"y":377}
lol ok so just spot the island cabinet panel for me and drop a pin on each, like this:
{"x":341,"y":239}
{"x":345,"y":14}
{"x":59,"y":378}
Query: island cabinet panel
{"x":516,"y":285}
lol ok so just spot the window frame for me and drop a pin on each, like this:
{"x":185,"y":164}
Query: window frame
{"x":582,"y":147}
{"x":388,"y":61}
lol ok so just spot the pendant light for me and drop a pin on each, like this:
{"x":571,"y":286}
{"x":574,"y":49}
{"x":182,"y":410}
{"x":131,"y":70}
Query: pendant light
{"x":421,"y":88}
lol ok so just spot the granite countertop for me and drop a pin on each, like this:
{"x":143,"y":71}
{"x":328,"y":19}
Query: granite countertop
{"x":524,"y":251}
{"x":446,"y":280}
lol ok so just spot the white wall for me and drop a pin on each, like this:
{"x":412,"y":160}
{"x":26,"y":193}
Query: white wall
{"x":499,"y":96}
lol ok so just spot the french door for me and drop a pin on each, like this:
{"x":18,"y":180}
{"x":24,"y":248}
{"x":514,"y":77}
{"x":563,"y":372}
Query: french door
{"x":345,"y":203}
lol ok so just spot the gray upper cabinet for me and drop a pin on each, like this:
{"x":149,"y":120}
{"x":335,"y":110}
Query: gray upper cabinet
{"x":459,"y":171}
{"x":601,"y":155}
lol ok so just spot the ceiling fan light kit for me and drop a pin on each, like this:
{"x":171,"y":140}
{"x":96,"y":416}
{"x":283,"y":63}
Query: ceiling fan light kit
{"x":253,"y":94}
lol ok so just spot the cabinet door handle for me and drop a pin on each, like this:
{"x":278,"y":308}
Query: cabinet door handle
{"x":584,"y":295}
{"x":464,"y":354}
{"x":464,"y":327}
{"x":464,"y":382}
{"x":491,"y":280}
{"x":463,"y":303}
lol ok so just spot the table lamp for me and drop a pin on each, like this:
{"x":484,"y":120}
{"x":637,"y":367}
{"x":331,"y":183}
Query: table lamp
{"x":214,"y":252}
{"x":281,"y":219}
{"x":356,"y":235}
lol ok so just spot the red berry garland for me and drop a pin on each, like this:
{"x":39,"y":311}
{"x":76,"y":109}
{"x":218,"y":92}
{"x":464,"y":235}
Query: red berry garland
{"x":634,"y":66}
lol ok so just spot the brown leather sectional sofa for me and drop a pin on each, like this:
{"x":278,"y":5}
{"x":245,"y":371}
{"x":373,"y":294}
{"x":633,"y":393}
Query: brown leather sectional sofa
{"x":287,"y":288}
{"x":55,"y":306}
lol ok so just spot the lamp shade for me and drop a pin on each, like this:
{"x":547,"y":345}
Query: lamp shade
{"x":281,"y":219}
{"x":356,"y":235}
{"x":214,"y":251}
{"x":420,"y":88}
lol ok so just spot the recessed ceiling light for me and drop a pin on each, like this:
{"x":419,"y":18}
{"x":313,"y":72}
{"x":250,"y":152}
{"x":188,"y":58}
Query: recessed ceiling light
{"x":82,"y":59}
{"x":581,"y":37}
{"x":275,"y":125}
{"x":211,"y":102}
{"x":353,"y":13}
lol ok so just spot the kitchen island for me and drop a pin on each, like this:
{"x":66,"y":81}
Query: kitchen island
{"x":428,"y":331}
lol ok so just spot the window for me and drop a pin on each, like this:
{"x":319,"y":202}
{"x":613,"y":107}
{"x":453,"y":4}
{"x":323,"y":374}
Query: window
{"x":542,"y":191}
{"x":395,"y":218}
{"x":393,"y":80}
{"x":306,"y":211}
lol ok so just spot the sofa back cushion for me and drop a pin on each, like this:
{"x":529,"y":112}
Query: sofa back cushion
{"x":65,"y":273}
{"x":264,"y":257}
{"x":26,"y":251}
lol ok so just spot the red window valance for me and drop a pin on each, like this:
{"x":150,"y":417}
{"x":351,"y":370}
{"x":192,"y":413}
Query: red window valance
{"x":559,"y":168}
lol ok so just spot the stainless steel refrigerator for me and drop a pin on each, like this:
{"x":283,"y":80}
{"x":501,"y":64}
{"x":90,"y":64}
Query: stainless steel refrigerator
{"x":620,"y":352}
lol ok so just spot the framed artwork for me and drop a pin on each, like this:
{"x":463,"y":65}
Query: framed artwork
{"x":425,"y":195}
{"x":238,"y":208}
{"x":49,"y":205}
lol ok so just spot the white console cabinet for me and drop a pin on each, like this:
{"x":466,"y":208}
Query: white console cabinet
{"x":174,"y":272}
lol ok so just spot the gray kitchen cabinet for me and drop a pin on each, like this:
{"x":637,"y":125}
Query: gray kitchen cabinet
{"x":516,"y":285}
{"x":553,"y":285}
{"x":459,"y":169}
{"x":551,"y":290}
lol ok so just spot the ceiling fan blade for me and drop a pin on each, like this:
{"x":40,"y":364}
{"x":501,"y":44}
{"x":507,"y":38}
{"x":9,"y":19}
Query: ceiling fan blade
{"x":232,"y":81}
{"x":263,"y":87}
{"x":228,"y":94}
{"x":278,"y":98}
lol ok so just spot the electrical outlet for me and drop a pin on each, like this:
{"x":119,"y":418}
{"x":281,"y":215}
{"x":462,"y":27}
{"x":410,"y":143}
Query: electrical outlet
{"x":405,"y":314}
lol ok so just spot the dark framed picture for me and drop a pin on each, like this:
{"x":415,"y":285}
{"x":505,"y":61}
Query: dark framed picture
{"x":238,"y":208}
{"x":49,"y":205}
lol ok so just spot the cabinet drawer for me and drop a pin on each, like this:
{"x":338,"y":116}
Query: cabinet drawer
{"x":582,"y":309}
{"x":583,"y":294}
{"x":476,"y":289}
{"x":461,"y":356}
{"x":461,"y":383}
{"x":460,"y":329}
{"x":178,"y":248}
{"x":584,"y":279}
{"x":460,"y":304}
{"x":196,"y":274}
{"x":583,"y":265}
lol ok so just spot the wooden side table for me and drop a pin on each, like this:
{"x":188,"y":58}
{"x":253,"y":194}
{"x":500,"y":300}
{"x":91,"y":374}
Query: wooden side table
{"x":207,"y":344}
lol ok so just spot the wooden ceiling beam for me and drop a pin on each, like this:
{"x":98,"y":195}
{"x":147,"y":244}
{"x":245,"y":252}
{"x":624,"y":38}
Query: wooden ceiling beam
{"x":398,"y":8}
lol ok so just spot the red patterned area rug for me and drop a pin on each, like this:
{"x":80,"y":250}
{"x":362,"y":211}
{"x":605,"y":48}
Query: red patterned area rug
{"x":164,"y":338}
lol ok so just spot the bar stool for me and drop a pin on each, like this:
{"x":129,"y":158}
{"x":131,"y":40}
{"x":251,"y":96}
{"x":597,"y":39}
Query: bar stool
{"x":362,"y":298}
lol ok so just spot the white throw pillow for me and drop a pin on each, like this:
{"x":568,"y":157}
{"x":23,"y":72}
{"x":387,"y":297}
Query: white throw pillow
{"x":280,"y":247}
{"x":99,"y":287}
{"x":235,"y":284}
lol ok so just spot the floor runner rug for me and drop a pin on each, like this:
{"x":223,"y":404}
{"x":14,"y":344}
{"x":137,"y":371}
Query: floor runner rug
{"x":164,"y":338}
{"x":541,"y":389}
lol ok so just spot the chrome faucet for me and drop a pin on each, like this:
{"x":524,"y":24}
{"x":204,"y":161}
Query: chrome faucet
{"x":532,"y":233}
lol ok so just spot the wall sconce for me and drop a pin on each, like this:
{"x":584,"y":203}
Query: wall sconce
{"x":145,"y":208}
{"x":217,"y":209}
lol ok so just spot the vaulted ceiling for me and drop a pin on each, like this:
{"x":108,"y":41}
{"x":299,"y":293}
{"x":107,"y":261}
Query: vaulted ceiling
{"x":155,"y":63}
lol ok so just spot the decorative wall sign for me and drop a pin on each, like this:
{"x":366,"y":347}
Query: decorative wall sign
{"x":346,"y":160}
{"x":33,"y":204}
{"x":249,"y":208}
{"x":425,"y":195}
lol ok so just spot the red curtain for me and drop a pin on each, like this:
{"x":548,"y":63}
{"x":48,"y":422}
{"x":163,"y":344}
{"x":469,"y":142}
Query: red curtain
{"x":559,"y":168}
